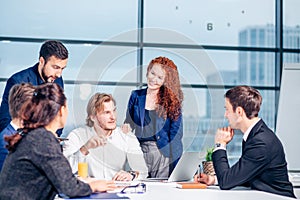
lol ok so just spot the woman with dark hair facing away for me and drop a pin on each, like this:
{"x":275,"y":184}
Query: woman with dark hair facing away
{"x":18,"y":94}
{"x":155,"y":114}
{"x":35,"y":167}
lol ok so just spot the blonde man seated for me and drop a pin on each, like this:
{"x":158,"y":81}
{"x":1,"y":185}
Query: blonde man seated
{"x":103,"y":145}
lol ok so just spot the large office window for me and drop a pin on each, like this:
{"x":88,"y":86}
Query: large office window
{"x":69,"y":20}
{"x":208,"y":22}
{"x":215,"y":44}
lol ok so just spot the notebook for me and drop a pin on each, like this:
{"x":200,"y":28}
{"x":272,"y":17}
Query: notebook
{"x":184,"y":170}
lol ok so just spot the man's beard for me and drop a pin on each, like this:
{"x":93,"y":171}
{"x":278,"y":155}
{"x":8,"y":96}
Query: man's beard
{"x":44,"y":77}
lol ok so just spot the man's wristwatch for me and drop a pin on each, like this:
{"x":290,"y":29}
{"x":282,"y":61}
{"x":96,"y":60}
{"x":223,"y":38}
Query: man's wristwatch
{"x":218,"y":145}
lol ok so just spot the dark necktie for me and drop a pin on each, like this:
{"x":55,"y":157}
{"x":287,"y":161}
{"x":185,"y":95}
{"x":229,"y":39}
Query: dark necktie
{"x":243,"y":145}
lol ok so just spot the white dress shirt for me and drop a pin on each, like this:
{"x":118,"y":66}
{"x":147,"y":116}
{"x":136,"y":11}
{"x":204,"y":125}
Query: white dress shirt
{"x":105,"y":161}
{"x":246,"y":134}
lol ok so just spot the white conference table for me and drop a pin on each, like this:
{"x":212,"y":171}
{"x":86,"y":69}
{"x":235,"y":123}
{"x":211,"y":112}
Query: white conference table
{"x":158,"y":190}
{"x":169,"y":191}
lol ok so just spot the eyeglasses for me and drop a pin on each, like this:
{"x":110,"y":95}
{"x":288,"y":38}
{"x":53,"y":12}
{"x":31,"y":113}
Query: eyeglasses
{"x":139,"y":188}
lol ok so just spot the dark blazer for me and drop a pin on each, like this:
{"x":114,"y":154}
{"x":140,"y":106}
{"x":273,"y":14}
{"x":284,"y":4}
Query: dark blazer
{"x":37,"y":169}
{"x":9,"y":130}
{"x":169,"y":132}
{"x":262,"y":165}
{"x":29,"y":75}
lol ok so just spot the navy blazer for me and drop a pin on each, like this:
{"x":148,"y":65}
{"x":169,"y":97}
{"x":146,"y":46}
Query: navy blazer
{"x":169,"y":132}
{"x":262,"y":165}
{"x":9,"y":130}
{"x":29,"y":75}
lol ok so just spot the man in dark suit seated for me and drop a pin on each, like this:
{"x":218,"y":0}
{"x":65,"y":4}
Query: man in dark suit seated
{"x":262,"y":165}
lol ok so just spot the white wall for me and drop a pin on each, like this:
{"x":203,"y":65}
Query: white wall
{"x":288,"y":119}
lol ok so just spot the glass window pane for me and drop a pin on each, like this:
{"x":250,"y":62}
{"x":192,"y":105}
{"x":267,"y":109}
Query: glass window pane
{"x":215,"y":67}
{"x":203,"y":111}
{"x":16,"y":56}
{"x":86,"y":62}
{"x":268,"y":108}
{"x":213,"y":22}
{"x":291,"y":28}
{"x":82,"y":20}
{"x":105,"y":63}
{"x":193,"y":65}
{"x":256,"y":68}
{"x":291,"y":58}
{"x":27,"y":54}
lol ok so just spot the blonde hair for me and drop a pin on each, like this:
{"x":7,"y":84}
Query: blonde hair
{"x":95,"y":105}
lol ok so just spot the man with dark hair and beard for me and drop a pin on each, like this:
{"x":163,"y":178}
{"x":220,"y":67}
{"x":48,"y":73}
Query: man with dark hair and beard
{"x":53,"y":60}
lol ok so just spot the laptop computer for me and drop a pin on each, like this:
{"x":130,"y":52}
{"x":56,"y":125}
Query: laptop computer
{"x":184,"y":170}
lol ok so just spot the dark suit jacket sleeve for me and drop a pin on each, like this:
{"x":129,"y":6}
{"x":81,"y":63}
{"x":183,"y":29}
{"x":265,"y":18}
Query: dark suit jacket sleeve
{"x":8,"y":130}
{"x":176,"y":133}
{"x":130,"y":110}
{"x":253,"y":161}
{"x":4,"y":109}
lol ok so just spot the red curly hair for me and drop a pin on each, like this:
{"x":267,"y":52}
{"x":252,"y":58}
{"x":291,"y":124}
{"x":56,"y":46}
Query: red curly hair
{"x":170,"y":96}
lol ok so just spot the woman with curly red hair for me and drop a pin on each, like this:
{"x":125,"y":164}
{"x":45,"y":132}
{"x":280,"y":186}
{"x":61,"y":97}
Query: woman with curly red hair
{"x":155,"y":114}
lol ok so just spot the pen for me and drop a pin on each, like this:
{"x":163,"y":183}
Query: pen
{"x":199,"y":170}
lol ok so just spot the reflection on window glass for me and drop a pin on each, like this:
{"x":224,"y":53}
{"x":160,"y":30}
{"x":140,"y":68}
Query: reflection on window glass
{"x":198,"y":20}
